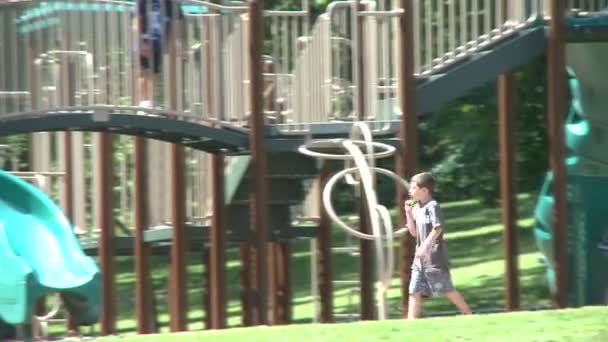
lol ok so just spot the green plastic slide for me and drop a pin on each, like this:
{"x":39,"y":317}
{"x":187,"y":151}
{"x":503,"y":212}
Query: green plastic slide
{"x":39,"y":255}
{"x":586,"y":134}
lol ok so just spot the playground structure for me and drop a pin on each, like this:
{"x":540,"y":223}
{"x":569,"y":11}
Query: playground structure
{"x":379,"y":218}
{"x":243,"y":91}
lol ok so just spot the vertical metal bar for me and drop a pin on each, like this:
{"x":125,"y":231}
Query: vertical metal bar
{"x":3,"y":66}
{"x":144,"y":305}
{"x":126,"y":63}
{"x":246,"y":285}
{"x":441,"y":40}
{"x":259,"y":197}
{"x":80,"y":196}
{"x":556,"y":92}
{"x":325,"y":260}
{"x":452,"y":14}
{"x":358,"y":102}
{"x":506,"y":112}
{"x":68,"y":190}
{"x":366,"y":259}
{"x":367,"y":267}
{"x":218,"y":89}
{"x":373,"y":61}
{"x":217,"y":239}
{"x":487,"y":14}
{"x":112,"y":50}
{"x":281,"y":256}
{"x":475,"y":28}
{"x":178,"y":304}
{"x":207,"y":317}
{"x":283,"y":54}
{"x":502,"y":13}
{"x":408,"y":135}
{"x":243,"y":70}
{"x":464,"y":23}
{"x":314,"y":283}
{"x":229,"y":70}
{"x":417,"y":33}
{"x":428,"y":33}
{"x":388,"y":75}
{"x":296,"y":32}
{"x":15,"y":60}
{"x":29,"y":75}
{"x":178,"y":285}
{"x":106,"y":238}
{"x":204,"y":94}
{"x":66,"y":78}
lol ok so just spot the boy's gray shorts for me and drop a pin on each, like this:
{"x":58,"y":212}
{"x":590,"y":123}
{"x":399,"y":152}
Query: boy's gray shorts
{"x":430,"y":282}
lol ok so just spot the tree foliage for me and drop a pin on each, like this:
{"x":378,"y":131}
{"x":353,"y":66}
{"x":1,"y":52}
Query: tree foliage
{"x":459,"y":143}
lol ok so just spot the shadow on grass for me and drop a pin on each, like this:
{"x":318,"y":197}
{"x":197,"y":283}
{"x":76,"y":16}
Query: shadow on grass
{"x":490,"y":293}
{"x":464,"y":251}
{"x":468,"y":251}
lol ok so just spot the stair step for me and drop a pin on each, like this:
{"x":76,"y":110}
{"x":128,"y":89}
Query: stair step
{"x":278,"y":190}
{"x":290,"y":163}
{"x":291,"y":176}
{"x":435,"y":76}
{"x":344,"y":314}
{"x":352,"y":250}
{"x":238,"y":217}
{"x":276,"y":202}
{"x":347,"y":282}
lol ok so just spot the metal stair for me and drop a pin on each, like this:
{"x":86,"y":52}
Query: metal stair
{"x":286,"y":174}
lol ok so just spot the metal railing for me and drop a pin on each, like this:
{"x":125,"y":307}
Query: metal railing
{"x":446,"y":31}
{"x":86,"y":52}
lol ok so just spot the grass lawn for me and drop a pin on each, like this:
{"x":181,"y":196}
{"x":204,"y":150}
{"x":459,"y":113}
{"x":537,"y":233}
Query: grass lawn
{"x":474,"y":241}
{"x":585,"y":324}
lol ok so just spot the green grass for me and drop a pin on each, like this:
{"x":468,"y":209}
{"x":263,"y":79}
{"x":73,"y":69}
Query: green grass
{"x":474,"y":241}
{"x":585,"y":324}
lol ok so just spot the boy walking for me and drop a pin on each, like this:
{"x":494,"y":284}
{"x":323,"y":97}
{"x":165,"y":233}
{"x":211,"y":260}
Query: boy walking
{"x":430,"y":270}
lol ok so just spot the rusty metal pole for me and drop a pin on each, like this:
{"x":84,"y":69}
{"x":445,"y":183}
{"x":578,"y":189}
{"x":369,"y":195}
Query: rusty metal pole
{"x":408,"y":135}
{"x":366,"y":263}
{"x":366,"y":247}
{"x":507,"y":151}
{"x":215,"y":313}
{"x":68,"y":184}
{"x":178,"y":299}
{"x":68,"y":198}
{"x":206,"y":256}
{"x":178,"y":286}
{"x":506,"y":113}
{"x":106,"y":238}
{"x":217,"y":255}
{"x":144,"y":304}
{"x":556,"y":92}
{"x":281,"y":259}
{"x":259,"y":196}
{"x":325,"y":272}
{"x":246,"y":286}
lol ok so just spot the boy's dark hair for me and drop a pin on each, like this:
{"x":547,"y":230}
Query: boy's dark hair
{"x":424,"y":180}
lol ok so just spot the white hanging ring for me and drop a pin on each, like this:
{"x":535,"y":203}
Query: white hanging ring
{"x":330,"y":209}
{"x":386,"y":150}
